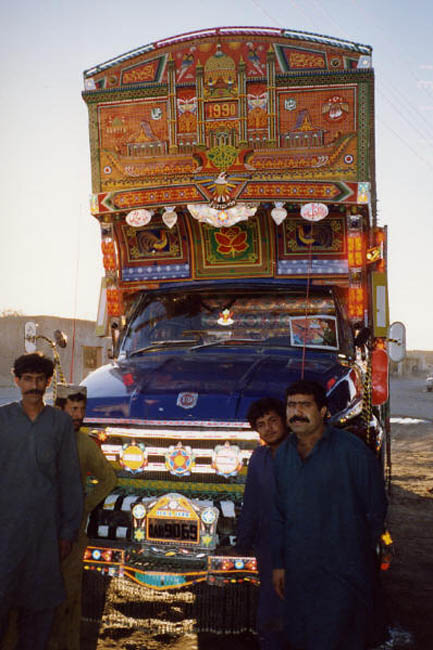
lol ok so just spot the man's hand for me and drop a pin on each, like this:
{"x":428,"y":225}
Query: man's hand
{"x":278,"y":582}
{"x":65,"y":547}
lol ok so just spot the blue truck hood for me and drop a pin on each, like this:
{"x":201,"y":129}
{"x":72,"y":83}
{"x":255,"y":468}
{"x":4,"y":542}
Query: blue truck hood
{"x":201,"y":386}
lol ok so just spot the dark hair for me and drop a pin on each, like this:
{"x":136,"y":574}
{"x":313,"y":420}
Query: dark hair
{"x":33,"y":362}
{"x":76,"y":397}
{"x":261,"y":407}
{"x":304,"y":387}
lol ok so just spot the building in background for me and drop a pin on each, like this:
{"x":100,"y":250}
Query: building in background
{"x":84,"y":352}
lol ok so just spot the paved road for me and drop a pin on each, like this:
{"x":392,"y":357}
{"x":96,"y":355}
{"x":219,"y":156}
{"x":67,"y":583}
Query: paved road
{"x":409,"y":398}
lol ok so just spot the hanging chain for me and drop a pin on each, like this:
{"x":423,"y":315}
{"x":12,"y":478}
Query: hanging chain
{"x":58,"y":376}
{"x":367,"y":408}
{"x":307,"y":306}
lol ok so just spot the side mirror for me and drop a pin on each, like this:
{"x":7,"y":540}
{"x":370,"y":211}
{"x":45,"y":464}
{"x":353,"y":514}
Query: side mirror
{"x":362,"y":337}
{"x":397,"y":342}
{"x":115,"y":335}
{"x":30,"y":333}
{"x":60,"y":338}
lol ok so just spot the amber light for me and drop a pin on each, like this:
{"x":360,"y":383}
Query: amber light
{"x":354,"y":250}
{"x":108,"y":255}
{"x":380,"y":237}
{"x":356,"y":303}
{"x":114,"y":302}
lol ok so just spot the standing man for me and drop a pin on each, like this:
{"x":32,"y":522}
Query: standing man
{"x":329,"y":515}
{"x":40,"y":502}
{"x":267,"y":417}
{"x":67,"y":622}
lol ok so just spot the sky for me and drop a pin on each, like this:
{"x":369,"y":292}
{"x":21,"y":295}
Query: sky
{"x":50,"y":259}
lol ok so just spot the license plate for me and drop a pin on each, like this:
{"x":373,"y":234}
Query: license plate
{"x":172,"y":530}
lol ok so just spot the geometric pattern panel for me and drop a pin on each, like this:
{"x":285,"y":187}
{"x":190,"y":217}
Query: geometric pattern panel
{"x":245,"y":249}
{"x":153,"y":251}
{"x":326,"y":238}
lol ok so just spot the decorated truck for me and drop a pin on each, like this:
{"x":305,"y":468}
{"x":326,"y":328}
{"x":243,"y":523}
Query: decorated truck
{"x":233,"y":176}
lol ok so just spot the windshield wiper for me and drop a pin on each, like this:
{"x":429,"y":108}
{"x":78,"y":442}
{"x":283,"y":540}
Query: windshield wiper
{"x":220,"y":341}
{"x":156,"y":344}
{"x":278,"y":341}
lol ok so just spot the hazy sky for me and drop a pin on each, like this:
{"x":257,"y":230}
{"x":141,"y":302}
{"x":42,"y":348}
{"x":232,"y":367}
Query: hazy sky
{"x":50,"y":261}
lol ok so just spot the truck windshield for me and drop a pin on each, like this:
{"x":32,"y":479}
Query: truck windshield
{"x":201,"y":319}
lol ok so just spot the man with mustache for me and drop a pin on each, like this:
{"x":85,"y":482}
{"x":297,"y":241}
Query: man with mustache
{"x":40,"y":503}
{"x":67,"y":621}
{"x":330,"y":509}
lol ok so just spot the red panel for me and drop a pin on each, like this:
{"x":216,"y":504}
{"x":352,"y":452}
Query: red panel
{"x":379,"y":367}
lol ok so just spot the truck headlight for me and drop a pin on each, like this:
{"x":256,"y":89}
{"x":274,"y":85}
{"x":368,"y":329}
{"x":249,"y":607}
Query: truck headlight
{"x":138,"y":511}
{"x":208,"y":516}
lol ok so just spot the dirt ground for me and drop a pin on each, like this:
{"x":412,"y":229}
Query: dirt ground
{"x":168,"y":620}
{"x":409,"y":582}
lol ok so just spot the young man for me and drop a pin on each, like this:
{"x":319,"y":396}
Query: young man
{"x":41,"y":502}
{"x":329,"y":515}
{"x":267,"y":417}
{"x":66,"y":629}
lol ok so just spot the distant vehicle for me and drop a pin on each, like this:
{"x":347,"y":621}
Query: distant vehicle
{"x":429,"y":383}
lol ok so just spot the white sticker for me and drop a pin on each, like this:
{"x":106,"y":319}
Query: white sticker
{"x":228,"y":508}
{"x":187,"y":400}
{"x":126,"y":505}
{"x":110,"y":501}
{"x":380,"y":306}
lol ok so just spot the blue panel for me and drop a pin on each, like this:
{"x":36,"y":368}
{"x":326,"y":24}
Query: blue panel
{"x":315,"y":267}
{"x":156,"y":272}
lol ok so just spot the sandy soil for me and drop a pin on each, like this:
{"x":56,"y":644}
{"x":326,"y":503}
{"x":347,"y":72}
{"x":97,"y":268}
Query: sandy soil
{"x":409,"y":582}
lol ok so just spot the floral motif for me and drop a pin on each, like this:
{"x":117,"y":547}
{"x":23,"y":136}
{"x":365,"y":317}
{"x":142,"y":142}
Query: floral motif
{"x":222,"y":156}
{"x":231,"y":241}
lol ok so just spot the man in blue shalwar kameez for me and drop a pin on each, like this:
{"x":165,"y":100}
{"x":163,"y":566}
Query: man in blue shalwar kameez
{"x":41,"y":501}
{"x":329,"y":514}
{"x":267,"y":417}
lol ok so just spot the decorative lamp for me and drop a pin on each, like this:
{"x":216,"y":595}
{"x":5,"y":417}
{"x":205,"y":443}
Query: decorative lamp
{"x":363,"y":193}
{"x":221,"y":218}
{"x":169,"y":217}
{"x":138,"y":218}
{"x":314,"y":211}
{"x":279,"y":213}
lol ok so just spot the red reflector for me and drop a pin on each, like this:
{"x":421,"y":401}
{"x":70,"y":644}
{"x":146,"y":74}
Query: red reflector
{"x":128,"y":379}
{"x":330,"y":383}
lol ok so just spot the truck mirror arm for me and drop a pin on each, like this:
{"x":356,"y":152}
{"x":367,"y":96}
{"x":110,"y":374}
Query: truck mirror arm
{"x":362,"y":337}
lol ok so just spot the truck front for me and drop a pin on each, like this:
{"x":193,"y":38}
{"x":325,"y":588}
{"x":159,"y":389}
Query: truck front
{"x":233,"y":179}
